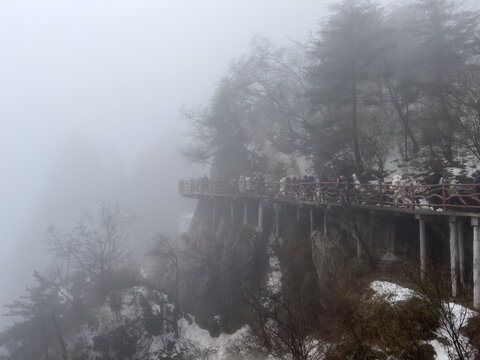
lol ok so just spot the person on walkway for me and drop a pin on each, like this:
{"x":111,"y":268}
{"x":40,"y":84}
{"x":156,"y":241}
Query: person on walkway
{"x":355,"y":181}
{"x":305,"y":188}
{"x":398,"y":189}
{"x":259,"y":184}
{"x":234,"y":185}
{"x":311,"y":187}
{"x":417,"y":189}
{"x":476,"y":177}
{"x":476,"y":181}
{"x":241,"y":183}
{"x":248,"y":184}
{"x":295,"y":188}
{"x":288,"y":186}
{"x":342,"y":187}
{"x":341,"y":182}
{"x":283,"y":185}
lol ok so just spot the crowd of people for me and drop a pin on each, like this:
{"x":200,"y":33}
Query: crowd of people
{"x":397,"y":190}
{"x":306,"y":187}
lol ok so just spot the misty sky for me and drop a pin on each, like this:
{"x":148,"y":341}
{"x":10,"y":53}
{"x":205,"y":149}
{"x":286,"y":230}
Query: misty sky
{"x":89,"y":95}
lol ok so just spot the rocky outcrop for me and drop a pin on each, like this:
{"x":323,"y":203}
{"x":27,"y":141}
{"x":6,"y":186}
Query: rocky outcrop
{"x":224,"y":261}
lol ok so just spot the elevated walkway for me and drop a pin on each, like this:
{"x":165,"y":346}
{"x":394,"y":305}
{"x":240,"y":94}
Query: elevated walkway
{"x":423,"y":202}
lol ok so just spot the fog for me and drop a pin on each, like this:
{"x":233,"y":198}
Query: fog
{"x":89,"y":99}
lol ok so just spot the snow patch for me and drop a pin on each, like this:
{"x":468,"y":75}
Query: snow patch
{"x":274,"y":281}
{"x":459,"y":318}
{"x":393,"y":293}
{"x":455,"y":317}
{"x":218,"y":347}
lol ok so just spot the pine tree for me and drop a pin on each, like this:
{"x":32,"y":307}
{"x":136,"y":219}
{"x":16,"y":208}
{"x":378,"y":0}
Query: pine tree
{"x":348,"y":51}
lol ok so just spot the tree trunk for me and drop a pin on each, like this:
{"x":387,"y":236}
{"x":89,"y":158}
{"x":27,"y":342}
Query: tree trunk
{"x":60,"y":337}
{"x":411,"y":136}
{"x":356,"y":146}
{"x":404,"y":118}
{"x":44,"y":332}
{"x":176,"y":311}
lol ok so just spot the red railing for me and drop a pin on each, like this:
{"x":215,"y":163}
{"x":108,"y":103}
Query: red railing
{"x":434,"y":197}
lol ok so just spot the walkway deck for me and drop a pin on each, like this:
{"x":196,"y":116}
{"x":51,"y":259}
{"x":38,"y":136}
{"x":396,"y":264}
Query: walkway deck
{"x":436,"y":200}
{"x":422,"y":201}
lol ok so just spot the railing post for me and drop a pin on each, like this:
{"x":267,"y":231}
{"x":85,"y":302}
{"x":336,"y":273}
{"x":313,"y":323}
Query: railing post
{"x":444,"y":200}
{"x":412,"y":194}
{"x":380,"y":183}
{"x":312,"y":221}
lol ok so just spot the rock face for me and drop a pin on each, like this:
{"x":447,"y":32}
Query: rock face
{"x":390,"y":243}
{"x":228,"y":258}
{"x":135,"y":323}
{"x":224,"y":261}
{"x":138,"y":323}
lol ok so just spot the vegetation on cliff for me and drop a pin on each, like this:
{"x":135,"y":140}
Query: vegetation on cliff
{"x":372,"y":85}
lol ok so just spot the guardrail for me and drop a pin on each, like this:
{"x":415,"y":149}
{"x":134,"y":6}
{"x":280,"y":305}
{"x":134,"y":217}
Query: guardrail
{"x":434,"y":197}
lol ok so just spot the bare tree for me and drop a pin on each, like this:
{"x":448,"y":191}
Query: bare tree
{"x":453,"y":317}
{"x":168,"y":254}
{"x":94,"y":245}
{"x":285,"y":324}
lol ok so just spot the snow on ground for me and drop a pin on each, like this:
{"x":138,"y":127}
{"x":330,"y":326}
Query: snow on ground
{"x":274,"y":280}
{"x":274,"y":274}
{"x":391,"y":292}
{"x":193,"y":339}
{"x":460,"y":316}
{"x":440,"y":350}
{"x":217,"y":347}
{"x":394,"y":293}
{"x":468,"y":165}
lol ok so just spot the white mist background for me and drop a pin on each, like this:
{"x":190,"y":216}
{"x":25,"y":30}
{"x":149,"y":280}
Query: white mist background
{"x":89,"y":99}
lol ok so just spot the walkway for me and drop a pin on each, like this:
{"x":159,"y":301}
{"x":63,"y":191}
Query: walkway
{"x":444,"y":199}
{"x":423,"y":201}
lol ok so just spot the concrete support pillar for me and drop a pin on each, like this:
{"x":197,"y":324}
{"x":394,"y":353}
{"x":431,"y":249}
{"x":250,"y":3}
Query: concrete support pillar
{"x":453,"y":254}
{"x":298,"y":213}
{"x":325,"y":222}
{"x":277,"y":220}
{"x":371,"y":218}
{"x":423,"y":246}
{"x":390,"y":242}
{"x":245,"y":213}
{"x":461,"y":253}
{"x":476,"y":262}
{"x":232,"y":210}
{"x":260,"y":216}
{"x":312,"y":222}
{"x":359,"y":244}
